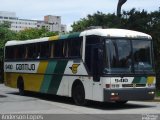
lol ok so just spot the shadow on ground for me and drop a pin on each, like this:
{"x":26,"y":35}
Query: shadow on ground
{"x":91,"y":104}
{"x":2,"y":96}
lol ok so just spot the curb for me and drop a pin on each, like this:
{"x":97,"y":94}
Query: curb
{"x":156,"y":99}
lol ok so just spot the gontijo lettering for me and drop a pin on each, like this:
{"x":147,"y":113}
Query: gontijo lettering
{"x":30,"y":67}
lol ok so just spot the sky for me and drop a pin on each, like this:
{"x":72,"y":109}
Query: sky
{"x":71,"y":10}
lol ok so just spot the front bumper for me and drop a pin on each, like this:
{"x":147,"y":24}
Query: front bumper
{"x":126,"y":94}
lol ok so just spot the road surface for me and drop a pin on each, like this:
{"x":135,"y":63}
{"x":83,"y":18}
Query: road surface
{"x":12,"y":103}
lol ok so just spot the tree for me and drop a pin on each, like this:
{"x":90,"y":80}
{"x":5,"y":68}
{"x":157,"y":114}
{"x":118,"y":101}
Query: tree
{"x":97,"y":19}
{"x":120,"y":3}
{"x":34,"y":33}
{"x":5,"y":35}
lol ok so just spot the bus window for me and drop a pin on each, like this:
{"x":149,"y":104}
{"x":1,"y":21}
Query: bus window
{"x":65,"y":49}
{"x":31,"y":51}
{"x":18,"y":52}
{"x":9,"y":52}
{"x":26,"y":52}
{"x":74,"y":48}
{"x":97,"y":55}
{"x":142,"y":55}
{"x":21,"y":51}
{"x":37,"y":51}
{"x":92,"y":54}
{"x":120,"y":55}
{"x":45,"y":50}
{"x":58,"y":49}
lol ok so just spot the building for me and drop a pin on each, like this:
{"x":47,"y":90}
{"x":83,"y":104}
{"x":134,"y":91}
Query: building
{"x":50,"y":22}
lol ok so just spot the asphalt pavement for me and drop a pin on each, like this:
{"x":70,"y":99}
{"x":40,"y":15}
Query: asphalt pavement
{"x":57,"y":107}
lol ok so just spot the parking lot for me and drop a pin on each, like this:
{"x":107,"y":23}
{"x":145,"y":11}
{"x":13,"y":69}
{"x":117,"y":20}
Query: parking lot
{"x":34,"y":103}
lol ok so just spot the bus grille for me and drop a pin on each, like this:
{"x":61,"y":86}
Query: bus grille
{"x":134,"y":85}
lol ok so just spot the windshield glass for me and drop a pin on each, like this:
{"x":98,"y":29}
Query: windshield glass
{"x":142,"y":55}
{"x":128,"y":56}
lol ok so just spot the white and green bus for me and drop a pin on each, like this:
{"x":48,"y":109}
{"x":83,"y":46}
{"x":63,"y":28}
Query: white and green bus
{"x":97,"y":64}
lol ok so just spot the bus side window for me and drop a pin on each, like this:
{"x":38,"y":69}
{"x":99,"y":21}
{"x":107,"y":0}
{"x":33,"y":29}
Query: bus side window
{"x":20,"y":53}
{"x":75,"y":47}
{"x":16,"y":53}
{"x":26,"y":53}
{"x":65,"y":49}
{"x":93,"y":56}
{"x":37,"y":51}
{"x":31,"y":51}
{"x":52,"y":50}
{"x":69,"y":48}
{"x":43,"y":50}
{"x":58,"y":49}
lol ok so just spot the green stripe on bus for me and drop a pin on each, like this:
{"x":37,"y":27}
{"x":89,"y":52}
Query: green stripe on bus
{"x":141,"y":80}
{"x":136,"y":80}
{"x":72,"y":35}
{"x":47,"y":78}
{"x":57,"y":77}
{"x":64,"y":36}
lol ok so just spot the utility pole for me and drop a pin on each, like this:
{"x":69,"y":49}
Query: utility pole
{"x":120,"y":3}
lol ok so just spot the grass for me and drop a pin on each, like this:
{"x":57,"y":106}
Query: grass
{"x":158,"y":93}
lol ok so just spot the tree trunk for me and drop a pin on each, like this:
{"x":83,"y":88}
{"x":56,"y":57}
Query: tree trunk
{"x":120,"y":3}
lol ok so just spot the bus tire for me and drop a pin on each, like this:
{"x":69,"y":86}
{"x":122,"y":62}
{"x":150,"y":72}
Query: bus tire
{"x":122,"y":102}
{"x":20,"y":86}
{"x":78,"y":94}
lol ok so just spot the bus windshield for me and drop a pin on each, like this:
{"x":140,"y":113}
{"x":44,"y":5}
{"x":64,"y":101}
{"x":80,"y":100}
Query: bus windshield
{"x":128,"y":56}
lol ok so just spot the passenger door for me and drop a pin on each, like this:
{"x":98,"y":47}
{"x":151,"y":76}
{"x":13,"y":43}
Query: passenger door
{"x":96,"y":67}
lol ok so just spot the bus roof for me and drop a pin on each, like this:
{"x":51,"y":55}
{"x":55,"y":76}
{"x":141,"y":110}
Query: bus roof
{"x":116,"y":33}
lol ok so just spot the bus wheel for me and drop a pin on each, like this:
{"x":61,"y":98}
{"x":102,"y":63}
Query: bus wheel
{"x":78,"y":95}
{"x":122,"y":102}
{"x":20,"y":86}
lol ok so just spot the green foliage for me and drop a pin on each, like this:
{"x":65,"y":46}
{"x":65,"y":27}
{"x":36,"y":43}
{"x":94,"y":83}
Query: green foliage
{"x":5,"y":35}
{"x":5,"y":24}
{"x":33,"y":33}
{"x":97,"y":19}
{"x":157,"y":93}
{"x":133,"y":19}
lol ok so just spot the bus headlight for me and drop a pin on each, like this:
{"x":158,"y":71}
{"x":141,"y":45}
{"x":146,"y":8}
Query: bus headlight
{"x":151,"y":93}
{"x":151,"y":85}
{"x":114,"y":94}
